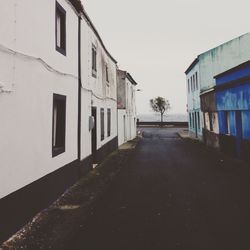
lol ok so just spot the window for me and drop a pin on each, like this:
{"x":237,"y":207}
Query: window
{"x":227,"y":122}
{"x":198,"y":120}
{"x":59,"y":124}
{"x":60,"y":29}
{"x":102,"y":124}
{"x":107,"y":73}
{"x":211,"y":121}
{"x":192,"y":88}
{"x":188,"y":86}
{"x":196,"y":80}
{"x":109,"y":121}
{"x":94,"y":64}
{"x":190,"y":120}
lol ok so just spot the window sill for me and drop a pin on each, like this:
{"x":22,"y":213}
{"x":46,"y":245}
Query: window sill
{"x":94,"y":73}
{"x":57,"y":151}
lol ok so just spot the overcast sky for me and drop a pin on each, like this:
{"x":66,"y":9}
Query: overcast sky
{"x":157,"y":40}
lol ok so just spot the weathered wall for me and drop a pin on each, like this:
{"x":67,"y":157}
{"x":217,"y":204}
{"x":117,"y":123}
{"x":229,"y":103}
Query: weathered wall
{"x":121,"y":89}
{"x":222,"y":58}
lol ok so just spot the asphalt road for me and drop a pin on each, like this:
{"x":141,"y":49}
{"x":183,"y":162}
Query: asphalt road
{"x":172,"y":194}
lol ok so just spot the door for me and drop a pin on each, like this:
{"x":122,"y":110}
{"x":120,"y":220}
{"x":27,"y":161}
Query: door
{"x":94,"y":136}
{"x":195,"y":124}
{"x":238,"y":132}
{"x":124,"y":128}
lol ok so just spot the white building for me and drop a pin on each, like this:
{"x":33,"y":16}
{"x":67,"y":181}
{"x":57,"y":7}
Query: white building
{"x":193,"y":97}
{"x":99,"y":97}
{"x":57,"y":80}
{"x":127,"y":118}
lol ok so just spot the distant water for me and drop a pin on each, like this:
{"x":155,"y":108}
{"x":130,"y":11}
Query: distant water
{"x":167,"y":118}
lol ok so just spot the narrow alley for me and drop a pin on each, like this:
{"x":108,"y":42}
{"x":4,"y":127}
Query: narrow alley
{"x":172,"y":194}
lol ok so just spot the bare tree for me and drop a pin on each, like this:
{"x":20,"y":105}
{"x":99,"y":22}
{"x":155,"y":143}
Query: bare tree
{"x":160,"y":104}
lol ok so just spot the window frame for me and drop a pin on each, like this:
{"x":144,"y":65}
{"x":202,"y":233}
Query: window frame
{"x":61,"y":149}
{"x":62,"y":13}
{"x":102,"y":123}
{"x":107,"y":73}
{"x":94,"y":61}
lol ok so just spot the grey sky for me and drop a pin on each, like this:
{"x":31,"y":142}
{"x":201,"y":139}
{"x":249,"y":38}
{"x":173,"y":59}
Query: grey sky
{"x":157,"y":40}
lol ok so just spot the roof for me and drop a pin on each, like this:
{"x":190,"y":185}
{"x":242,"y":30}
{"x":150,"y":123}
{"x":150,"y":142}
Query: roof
{"x":77,"y":5}
{"x":196,"y":60}
{"x":131,"y":79}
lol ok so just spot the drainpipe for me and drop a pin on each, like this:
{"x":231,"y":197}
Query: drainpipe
{"x":79,"y":91}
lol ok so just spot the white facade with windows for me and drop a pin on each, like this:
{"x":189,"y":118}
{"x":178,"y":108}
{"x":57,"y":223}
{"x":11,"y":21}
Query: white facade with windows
{"x":32,"y":71}
{"x":98,"y":91}
{"x":58,"y":101}
{"x":127,"y":118}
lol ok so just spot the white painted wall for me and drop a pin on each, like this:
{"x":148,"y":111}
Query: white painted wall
{"x":96,"y":92}
{"x":129,"y":132}
{"x":26,"y":97}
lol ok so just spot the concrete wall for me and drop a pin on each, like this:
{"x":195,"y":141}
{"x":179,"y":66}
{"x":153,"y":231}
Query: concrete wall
{"x":222,"y":58}
{"x":31,"y":71}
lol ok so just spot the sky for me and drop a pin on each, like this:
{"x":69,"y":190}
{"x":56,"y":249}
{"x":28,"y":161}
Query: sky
{"x":156,"y":41}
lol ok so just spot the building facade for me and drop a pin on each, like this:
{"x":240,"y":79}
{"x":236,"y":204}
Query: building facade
{"x":127,"y":119}
{"x":193,"y":99}
{"x":232,"y":94}
{"x":212,"y":63}
{"x":99,"y":96}
{"x":58,"y":104}
{"x":208,"y":65}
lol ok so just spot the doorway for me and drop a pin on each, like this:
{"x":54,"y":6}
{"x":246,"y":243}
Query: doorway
{"x":94,"y":135}
{"x":124,"y":128}
{"x":195,"y":124}
{"x":238,"y":132}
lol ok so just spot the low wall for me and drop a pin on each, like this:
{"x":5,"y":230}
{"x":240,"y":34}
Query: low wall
{"x":176,"y":124}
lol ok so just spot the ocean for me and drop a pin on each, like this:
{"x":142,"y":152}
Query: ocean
{"x":167,"y":118}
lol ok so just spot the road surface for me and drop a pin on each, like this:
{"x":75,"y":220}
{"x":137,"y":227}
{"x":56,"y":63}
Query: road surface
{"x":172,"y":194}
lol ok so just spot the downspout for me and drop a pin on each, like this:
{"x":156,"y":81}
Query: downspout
{"x":79,"y":93}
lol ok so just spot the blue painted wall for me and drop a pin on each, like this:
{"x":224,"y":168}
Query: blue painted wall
{"x":246,"y":124}
{"x":242,"y":72}
{"x":237,"y":98}
{"x":233,"y":104}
